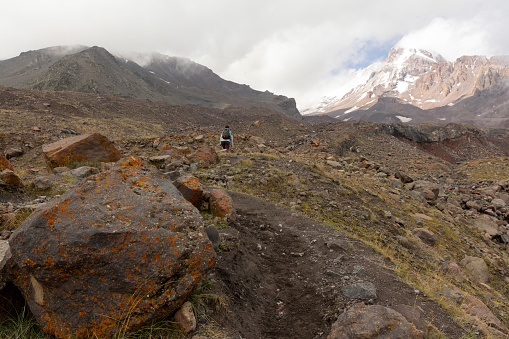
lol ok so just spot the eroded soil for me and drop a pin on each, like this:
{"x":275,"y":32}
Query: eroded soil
{"x":283,"y":273}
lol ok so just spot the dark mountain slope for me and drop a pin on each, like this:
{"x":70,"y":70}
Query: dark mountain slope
{"x":177,"y":81}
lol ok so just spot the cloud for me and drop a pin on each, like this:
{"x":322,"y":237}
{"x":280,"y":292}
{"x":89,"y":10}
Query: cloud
{"x":302,"y":49}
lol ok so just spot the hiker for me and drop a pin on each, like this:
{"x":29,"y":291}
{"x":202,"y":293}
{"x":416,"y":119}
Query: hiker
{"x":226,"y":139}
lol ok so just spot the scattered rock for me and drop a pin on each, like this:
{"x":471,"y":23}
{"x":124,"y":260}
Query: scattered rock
{"x":185,"y":318}
{"x":373,"y":321}
{"x":427,"y":236}
{"x":174,"y":152}
{"x":205,"y":156}
{"x":477,"y":308}
{"x":221,"y":204}
{"x":5,"y":164}
{"x":190,"y":187}
{"x":9,"y":179}
{"x":85,"y":147}
{"x":361,"y":290}
{"x":477,"y":268}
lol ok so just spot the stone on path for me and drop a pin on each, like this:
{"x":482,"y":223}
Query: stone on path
{"x":373,"y":321}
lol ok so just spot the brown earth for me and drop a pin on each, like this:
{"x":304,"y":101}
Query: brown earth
{"x":275,"y":281}
{"x":285,"y":282}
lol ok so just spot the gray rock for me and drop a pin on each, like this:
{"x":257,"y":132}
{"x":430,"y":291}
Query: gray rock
{"x":425,"y":235}
{"x":498,"y":203}
{"x":362,"y":290}
{"x":212,"y":234}
{"x":84,"y":171}
{"x":477,"y":268}
{"x":373,"y":321}
{"x":338,"y":245}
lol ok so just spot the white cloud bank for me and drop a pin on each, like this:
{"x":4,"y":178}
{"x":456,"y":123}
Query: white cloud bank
{"x":300,"y":49}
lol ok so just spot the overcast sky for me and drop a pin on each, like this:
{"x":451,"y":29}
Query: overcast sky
{"x":298,"y":48}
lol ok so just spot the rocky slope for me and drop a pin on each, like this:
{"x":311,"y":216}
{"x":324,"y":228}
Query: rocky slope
{"x":94,"y":70}
{"x":412,"y":218}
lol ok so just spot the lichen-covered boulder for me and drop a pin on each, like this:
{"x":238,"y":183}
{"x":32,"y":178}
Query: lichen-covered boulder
{"x":9,"y":179}
{"x":190,"y":187}
{"x":85,"y":147}
{"x":118,"y":251}
{"x":221,"y":204}
{"x":5,"y":164}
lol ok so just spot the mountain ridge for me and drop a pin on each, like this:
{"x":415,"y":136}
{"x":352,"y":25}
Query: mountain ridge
{"x":95,"y":70}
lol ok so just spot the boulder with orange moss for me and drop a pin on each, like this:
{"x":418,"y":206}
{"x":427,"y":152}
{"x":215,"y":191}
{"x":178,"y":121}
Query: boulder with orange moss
{"x":85,"y":147}
{"x":191,"y":188}
{"x":5,"y":164}
{"x":117,"y":252}
{"x":221,"y":204}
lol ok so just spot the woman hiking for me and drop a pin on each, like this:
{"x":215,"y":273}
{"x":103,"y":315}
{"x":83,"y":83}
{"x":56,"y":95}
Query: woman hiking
{"x":226,"y":139}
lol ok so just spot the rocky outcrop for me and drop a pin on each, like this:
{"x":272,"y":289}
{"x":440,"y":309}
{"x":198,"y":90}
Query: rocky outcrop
{"x":85,"y":147}
{"x":118,"y":251}
{"x":426,"y":133}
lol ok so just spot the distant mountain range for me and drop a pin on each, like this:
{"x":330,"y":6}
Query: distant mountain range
{"x":178,"y":81}
{"x":416,"y":86}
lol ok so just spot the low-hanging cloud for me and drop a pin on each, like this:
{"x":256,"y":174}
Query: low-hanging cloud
{"x":302,"y":49}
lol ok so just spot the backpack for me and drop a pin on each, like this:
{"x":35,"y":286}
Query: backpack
{"x":226,"y":134}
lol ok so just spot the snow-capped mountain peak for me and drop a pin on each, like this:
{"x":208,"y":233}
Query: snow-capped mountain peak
{"x":391,"y":77}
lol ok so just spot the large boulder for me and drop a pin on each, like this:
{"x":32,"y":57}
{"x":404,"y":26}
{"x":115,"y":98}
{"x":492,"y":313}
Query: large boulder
{"x":85,"y":147}
{"x":373,"y":321}
{"x":118,"y":251}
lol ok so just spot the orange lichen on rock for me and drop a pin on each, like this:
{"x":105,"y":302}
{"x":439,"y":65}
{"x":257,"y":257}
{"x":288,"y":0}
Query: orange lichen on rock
{"x":221,"y":204}
{"x":118,"y":259}
{"x":190,"y":187}
{"x":85,"y":147}
{"x":5,"y":164}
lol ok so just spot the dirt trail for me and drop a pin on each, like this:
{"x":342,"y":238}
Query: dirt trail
{"x":283,"y":273}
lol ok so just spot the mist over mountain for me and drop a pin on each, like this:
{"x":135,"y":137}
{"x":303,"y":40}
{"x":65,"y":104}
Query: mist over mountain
{"x":416,"y":86}
{"x":178,"y":81}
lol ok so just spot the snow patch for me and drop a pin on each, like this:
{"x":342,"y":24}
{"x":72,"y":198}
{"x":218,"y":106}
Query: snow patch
{"x":402,"y":86}
{"x":403,"y":119}
{"x":354,"y":108}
